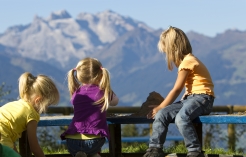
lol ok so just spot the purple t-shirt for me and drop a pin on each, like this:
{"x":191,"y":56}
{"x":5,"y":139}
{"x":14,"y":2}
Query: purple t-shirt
{"x":88,"y":118}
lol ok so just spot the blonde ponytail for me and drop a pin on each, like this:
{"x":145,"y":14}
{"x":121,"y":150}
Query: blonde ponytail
{"x":73,"y":84}
{"x":26,"y":81}
{"x":105,"y":85}
{"x":41,"y":86}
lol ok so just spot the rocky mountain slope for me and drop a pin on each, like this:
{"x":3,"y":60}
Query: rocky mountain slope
{"x":125,"y":46}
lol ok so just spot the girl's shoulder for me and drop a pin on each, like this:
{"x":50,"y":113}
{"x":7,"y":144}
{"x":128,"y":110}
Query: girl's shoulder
{"x":191,"y":59}
{"x":87,"y":89}
{"x":189,"y":62}
{"x":189,"y":56}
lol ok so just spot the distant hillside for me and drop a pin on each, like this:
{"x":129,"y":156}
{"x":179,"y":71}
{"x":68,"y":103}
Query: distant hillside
{"x":12,"y":66}
{"x":127,"y":47}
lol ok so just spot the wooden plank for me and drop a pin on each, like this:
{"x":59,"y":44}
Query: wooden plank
{"x":130,"y":109}
{"x":146,"y":139}
{"x":24,"y":145}
{"x":221,"y":119}
{"x":115,"y":125}
{"x":55,"y":120}
{"x":209,"y":119}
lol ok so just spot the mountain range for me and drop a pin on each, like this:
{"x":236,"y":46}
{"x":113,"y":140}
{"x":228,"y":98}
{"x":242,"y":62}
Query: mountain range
{"x":126,"y":47}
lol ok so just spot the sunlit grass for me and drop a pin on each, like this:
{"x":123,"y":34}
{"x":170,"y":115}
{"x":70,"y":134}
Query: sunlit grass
{"x":222,"y":151}
{"x":141,"y":148}
{"x":57,"y":151}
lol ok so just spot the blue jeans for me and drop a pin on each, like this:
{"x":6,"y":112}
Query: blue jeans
{"x":90,"y":146}
{"x":183,"y":113}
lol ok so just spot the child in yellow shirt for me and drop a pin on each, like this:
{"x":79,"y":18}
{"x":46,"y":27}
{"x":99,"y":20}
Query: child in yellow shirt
{"x":36,"y":94}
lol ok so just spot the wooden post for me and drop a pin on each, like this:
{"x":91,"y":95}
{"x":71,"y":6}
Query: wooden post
{"x":198,"y":128}
{"x":115,"y":140}
{"x":150,"y":129}
{"x":231,"y":132}
{"x":24,"y":145}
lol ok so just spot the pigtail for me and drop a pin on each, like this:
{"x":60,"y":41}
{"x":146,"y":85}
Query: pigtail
{"x":26,"y":81}
{"x":73,"y":84}
{"x":31,"y":87}
{"x":105,"y":85}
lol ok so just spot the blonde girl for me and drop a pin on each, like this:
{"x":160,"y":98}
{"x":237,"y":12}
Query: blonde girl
{"x":91,"y":95}
{"x":197,"y":100}
{"x":36,"y":94}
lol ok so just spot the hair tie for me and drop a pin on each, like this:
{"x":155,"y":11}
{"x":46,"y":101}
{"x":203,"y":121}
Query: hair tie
{"x":74,"y":69}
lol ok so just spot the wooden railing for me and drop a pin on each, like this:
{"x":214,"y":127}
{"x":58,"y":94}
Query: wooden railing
{"x":228,"y":109}
{"x":66,"y":110}
{"x":114,"y":123}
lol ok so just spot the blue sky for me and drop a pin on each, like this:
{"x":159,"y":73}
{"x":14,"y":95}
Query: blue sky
{"x":206,"y":17}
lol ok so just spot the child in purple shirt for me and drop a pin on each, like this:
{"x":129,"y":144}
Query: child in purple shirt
{"x":91,"y":95}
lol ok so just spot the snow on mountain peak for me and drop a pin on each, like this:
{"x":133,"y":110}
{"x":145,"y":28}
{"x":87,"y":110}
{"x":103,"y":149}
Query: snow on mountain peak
{"x":109,"y":25}
{"x":62,"y":14}
{"x":60,"y":35}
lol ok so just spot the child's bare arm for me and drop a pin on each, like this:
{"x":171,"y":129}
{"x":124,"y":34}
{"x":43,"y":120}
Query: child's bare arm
{"x":33,"y":140}
{"x":173,"y":94}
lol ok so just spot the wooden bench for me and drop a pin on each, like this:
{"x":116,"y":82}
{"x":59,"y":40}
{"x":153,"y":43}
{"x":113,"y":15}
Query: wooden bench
{"x":114,"y":124}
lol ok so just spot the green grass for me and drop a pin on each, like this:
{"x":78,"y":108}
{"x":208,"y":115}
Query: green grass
{"x":57,"y":151}
{"x":141,"y":148}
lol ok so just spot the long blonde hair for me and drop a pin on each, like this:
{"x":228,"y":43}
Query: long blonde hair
{"x":90,"y":71}
{"x":175,"y":44}
{"x":31,"y":87}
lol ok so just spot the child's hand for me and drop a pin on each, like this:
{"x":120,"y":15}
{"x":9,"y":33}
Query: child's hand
{"x":152,"y":113}
{"x":33,"y":140}
{"x":114,"y":100}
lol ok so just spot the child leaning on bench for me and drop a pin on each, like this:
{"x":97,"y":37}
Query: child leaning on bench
{"x":197,"y":100}
{"x":36,"y":94}
{"x":91,"y":94}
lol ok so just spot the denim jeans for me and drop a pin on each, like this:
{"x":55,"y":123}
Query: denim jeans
{"x":90,"y":146}
{"x":182,"y":113}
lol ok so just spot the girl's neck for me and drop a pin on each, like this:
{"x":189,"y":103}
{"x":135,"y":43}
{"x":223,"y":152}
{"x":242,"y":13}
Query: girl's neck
{"x":93,"y":84}
{"x":30,"y":103}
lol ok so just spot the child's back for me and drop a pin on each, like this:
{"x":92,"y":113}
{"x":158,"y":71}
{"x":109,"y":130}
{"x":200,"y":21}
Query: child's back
{"x":91,"y":95}
{"x":87,"y":117}
{"x":199,"y":80}
{"x":14,"y":118}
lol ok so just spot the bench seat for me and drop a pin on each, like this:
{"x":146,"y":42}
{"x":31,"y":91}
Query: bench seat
{"x":114,"y":124}
{"x":208,"y":119}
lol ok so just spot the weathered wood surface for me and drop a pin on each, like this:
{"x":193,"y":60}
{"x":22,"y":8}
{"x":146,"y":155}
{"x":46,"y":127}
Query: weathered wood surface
{"x":115,"y":128}
{"x":209,"y":119}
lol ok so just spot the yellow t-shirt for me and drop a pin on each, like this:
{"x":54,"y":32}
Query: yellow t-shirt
{"x":14,"y":117}
{"x":199,"y":80}
{"x":83,"y":136}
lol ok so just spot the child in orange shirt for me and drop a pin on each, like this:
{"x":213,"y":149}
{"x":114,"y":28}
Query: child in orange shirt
{"x":197,"y":100}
